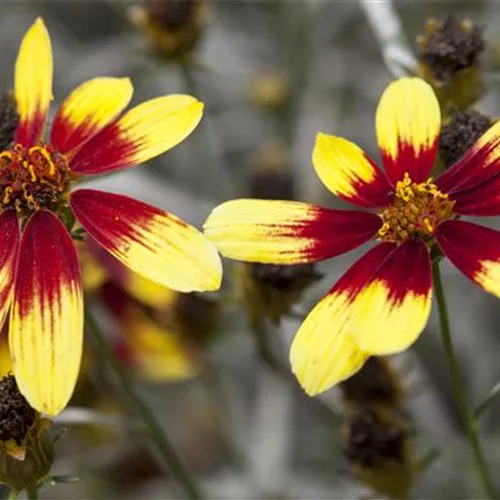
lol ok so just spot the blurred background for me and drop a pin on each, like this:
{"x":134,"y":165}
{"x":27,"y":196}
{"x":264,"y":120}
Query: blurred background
{"x":214,"y":369}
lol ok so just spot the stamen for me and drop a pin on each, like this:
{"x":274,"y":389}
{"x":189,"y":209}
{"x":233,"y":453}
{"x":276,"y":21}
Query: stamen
{"x":417,"y":210}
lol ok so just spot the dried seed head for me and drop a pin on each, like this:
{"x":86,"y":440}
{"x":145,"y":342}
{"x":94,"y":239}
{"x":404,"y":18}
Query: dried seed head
{"x":460,"y":132}
{"x":9,"y":120}
{"x":374,"y":438}
{"x":450,"y":47}
{"x":16,"y":415}
{"x":375,"y":383}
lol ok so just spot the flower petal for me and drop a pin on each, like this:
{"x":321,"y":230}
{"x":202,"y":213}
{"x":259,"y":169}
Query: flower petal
{"x":324,"y":351}
{"x":483,"y":200}
{"x":154,"y":243}
{"x":349,"y":173}
{"x":392,"y":309}
{"x":33,"y":83}
{"x":142,"y":133}
{"x":474,"y":250}
{"x":408,"y":122}
{"x":87,"y":110}
{"x":480,"y":164}
{"x":145,"y":291}
{"x":286,"y":232}
{"x":46,"y":321}
{"x":9,"y":247}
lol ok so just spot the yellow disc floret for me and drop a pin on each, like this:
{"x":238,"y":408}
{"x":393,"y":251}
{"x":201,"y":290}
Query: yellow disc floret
{"x":417,"y":210}
{"x":32,"y":178}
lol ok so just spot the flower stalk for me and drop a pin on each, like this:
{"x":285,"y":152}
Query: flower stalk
{"x":458,"y":385}
{"x":155,"y":433}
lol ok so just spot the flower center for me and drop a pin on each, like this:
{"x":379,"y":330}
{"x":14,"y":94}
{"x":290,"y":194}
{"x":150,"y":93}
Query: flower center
{"x":417,"y":210}
{"x":32,"y":178}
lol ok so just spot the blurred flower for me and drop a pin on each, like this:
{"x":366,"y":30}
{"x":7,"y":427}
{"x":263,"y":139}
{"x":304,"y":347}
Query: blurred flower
{"x":382,"y":303}
{"x":378,"y":446}
{"x":173,"y":27}
{"x":268,"y":290}
{"x":449,"y":60}
{"x":26,"y":452}
{"x":270,"y":90}
{"x":460,"y":132}
{"x":162,"y":333}
{"x":89,"y":135}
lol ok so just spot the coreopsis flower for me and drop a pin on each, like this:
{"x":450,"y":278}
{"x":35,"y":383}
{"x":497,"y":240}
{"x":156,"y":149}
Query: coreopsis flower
{"x":382,"y":303}
{"x":40,"y":275}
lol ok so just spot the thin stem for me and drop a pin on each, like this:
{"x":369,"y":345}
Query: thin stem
{"x":156,"y":434}
{"x":13,"y":494}
{"x":32,"y":493}
{"x":458,"y":385}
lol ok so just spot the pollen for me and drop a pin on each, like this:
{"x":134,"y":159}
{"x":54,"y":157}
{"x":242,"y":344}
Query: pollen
{"x":32,"y":178}
{"x":416,"y":211}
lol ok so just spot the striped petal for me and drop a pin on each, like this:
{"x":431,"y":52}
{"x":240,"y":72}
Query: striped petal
{"x":480,"y":164}
{"x":46,"y":320}
{"x":324,"y":351}
{"x":151,"y":242}
{"x":408,"y":123}
{"x":349,"y":173}
{"x":286,"y":232}
{"x":9,"y":246}
{"x":87,"y":110}
{"x":474,"y":250}
{"x":145,"y":291}
{"x":392,"y":309}
{"x":483,"y":200}
{"x":33,"y":83}
{"x":142,"y":133}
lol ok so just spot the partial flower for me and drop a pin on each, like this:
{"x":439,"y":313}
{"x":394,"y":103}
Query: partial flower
{"x":173,"y":27}
{"x":382,"y":303}
{"x":448,"y":58}
{"x":40,"y":279}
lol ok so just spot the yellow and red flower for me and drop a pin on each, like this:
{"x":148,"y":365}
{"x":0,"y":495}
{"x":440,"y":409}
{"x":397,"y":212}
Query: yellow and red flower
{"x":40,"y":274}
{"x":382,"y":303}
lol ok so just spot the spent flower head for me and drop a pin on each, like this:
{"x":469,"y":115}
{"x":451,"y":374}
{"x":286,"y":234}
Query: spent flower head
{"x":382,"y":303}
{"x":90,"y":134}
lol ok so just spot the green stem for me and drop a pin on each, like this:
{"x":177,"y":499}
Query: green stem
{"x":458,"y":385}
{"x":13,"y":494}
{"x":156,"y":434}
{"x":32,"y":493}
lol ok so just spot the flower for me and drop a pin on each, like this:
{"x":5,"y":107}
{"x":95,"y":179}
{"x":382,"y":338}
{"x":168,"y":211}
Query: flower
{"x":382,"y":303}
{"x":40,"y":274}
{"x":162,"y":333}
